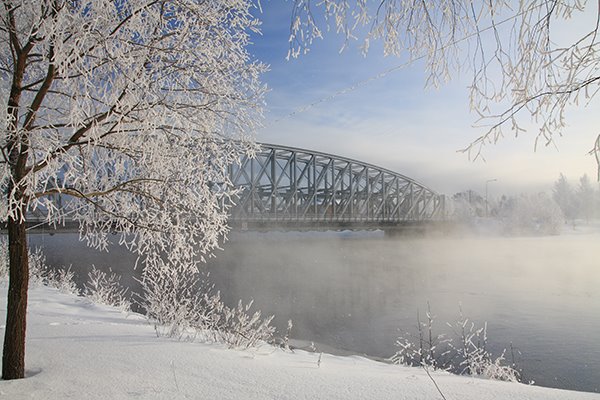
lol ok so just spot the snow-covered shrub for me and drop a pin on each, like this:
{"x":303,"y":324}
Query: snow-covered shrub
{"x":241,"y":329}
{"x":497,"y":369}
{"x":105,"y":288}
{"x":466,"y":353}
{"x":424,"y":348}
{"x":531,"y":214}
{"x":475,"y":359}
{"x":39,"y":272}
{"x":183,"y":305}
{"x":169,"y":298}
{"x":61,"y":279}
{"x":208,"y":317}
{"x":283,"y":342}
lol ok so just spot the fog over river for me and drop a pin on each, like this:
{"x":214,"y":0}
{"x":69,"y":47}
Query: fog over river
{"x":360,"y":291}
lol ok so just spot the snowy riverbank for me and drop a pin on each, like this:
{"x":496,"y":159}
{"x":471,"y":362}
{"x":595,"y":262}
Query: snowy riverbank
{"x":80,"y":350}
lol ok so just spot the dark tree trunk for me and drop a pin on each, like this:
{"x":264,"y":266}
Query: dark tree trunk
{"x":13,"y":356}
{"x":17,"y":147}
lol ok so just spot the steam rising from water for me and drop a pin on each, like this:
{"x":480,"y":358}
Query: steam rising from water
{"x":360,"y":291}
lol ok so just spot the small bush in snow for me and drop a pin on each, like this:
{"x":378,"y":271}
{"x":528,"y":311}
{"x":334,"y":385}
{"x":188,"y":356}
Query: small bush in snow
{"x":465,"y":354}
{"x":39,"y":272}
{"x":184,"y":306}
{"x":105,"y":288}
{"x":169,"y":298}
{"x":284,"y":342}
{"x":424,"y":348}
{"x":61,"y":279}
{"x":475,"y":359}
{"x":242,"y":329}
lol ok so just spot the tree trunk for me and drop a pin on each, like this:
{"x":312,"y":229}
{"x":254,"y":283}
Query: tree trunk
{"x":13,"y":356}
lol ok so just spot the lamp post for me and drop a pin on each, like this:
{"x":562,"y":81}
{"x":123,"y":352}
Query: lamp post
{"x":486,"y":195}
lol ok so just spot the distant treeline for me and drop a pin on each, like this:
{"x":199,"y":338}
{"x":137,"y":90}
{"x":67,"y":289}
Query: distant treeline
{"x":539,"y":212}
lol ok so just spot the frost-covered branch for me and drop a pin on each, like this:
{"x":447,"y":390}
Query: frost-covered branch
{"x":121,"y":186}
{"x":114,"y":94}
{"x":522,"y":69}
{"x":124,"y":116}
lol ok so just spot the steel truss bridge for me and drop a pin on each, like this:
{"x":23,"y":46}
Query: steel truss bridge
{"x":293,"y":188}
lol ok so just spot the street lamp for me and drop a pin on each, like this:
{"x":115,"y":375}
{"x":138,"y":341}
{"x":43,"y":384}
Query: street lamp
{"x":486,"y":195}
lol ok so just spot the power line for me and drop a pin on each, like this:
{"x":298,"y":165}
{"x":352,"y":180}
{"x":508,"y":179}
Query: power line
{"x":388,"y":71}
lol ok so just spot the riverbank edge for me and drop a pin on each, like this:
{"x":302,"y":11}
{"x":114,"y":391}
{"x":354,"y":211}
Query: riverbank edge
{"x":98,"y":352}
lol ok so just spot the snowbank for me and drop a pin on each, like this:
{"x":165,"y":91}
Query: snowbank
{"x":78,"y":350}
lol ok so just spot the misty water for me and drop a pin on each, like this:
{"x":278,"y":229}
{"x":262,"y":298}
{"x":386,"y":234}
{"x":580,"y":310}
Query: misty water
{"x":357,"y":292}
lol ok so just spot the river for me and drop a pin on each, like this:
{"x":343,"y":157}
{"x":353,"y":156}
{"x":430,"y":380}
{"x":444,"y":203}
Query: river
{"x":358,"y":292}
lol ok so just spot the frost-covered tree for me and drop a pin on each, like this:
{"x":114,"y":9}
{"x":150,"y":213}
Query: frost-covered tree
{"x":531,"y":214}
{"x":585,"y":198}
{"x":467,"y":205}
{"x":563,"y":195}
{"x":522,"y":68}
{"x":128,"y":110}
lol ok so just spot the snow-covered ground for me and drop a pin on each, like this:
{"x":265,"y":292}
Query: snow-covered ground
{"x":79,"y":350}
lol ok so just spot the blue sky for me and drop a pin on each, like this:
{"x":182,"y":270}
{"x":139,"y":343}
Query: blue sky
{"x":396,"y":123}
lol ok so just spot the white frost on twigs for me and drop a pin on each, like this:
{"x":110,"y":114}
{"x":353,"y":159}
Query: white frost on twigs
{"x":128,"y":117}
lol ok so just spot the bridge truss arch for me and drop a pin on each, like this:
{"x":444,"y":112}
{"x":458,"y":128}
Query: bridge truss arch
{"x":286,"y":185}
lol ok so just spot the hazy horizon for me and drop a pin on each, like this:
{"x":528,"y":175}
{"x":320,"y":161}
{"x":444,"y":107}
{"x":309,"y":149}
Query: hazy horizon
{"x":321,"y":102}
